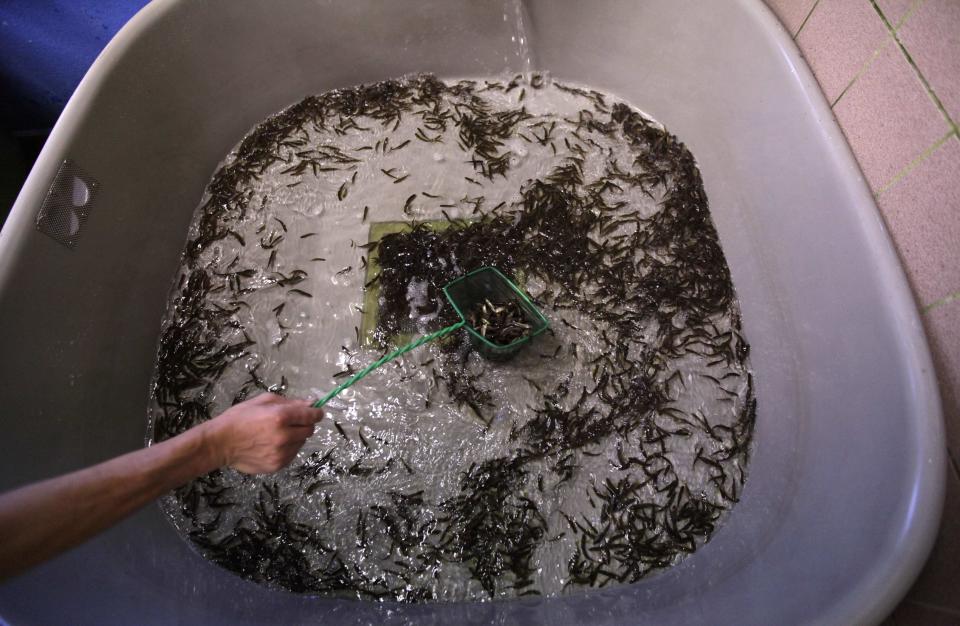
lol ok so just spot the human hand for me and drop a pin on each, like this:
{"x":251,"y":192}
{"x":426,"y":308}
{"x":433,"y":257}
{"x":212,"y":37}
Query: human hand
{"x":261,"y":435}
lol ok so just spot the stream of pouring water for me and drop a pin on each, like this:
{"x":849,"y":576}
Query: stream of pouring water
{"x":515,"y":15}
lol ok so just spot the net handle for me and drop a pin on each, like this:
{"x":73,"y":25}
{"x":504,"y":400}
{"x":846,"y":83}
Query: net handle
{"x":389,"y":357}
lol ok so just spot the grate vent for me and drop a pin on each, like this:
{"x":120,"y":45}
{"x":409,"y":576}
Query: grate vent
{"x":68,"y":204}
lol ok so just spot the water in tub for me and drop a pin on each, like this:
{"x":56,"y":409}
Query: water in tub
{"x":610,"y":448}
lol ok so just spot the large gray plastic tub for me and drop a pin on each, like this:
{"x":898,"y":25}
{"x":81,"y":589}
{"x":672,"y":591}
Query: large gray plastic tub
{"x":845,"y":489}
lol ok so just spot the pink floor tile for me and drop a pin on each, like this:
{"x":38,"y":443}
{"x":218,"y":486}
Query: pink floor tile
{"x":936,"y":586}
{"x":888,"y":117}
{"x":922,"y":211}
{"x":910,"y":614}
{"x":791,"y":12}
{"x":943,"y":332}
{"x":932,"y":37}
{"x":895,"y":10}
{"x":839,"y":37}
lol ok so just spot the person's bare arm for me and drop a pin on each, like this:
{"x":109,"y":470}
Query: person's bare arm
{"x":41,"y":520}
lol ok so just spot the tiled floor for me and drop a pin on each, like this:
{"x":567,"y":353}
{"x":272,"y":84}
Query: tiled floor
{"x":891,"y":71}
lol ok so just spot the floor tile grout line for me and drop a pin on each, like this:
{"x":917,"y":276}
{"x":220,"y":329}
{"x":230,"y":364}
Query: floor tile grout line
{"x":913,"y":9}
{"x":912,"y":165}
{"x":923,"y":79}
{"x":876,"y":53}
{"x":804,"y":22}
{"x":863,"y":68}
{"x":947,"y":299}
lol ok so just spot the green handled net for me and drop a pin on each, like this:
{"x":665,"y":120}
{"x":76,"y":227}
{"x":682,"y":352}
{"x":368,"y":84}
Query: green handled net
{"x":499,"y":317}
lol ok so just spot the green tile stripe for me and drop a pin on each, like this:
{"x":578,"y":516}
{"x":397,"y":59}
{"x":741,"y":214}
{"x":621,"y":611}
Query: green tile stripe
{"x":953,"y":297}
{"x":892,"y":31}
{"x":912,"y":165}
{"x":913,"y":9}
{"x":876,"y":53}
{"x":863,"y":68}
{"x":923,"y":79}
{"x":804,"y":23}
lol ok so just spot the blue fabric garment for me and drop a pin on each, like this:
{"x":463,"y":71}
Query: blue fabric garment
{"x":46,"y":46}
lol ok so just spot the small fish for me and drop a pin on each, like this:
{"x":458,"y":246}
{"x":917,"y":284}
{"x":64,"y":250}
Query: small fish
{"x":409,"y":203}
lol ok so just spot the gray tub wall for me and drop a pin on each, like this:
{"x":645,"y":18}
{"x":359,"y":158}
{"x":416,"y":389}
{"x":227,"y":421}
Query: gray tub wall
{"x":846,"y":482}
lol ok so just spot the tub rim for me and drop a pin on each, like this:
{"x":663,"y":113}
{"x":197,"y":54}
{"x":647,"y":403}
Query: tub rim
{"x":876,"y":593}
